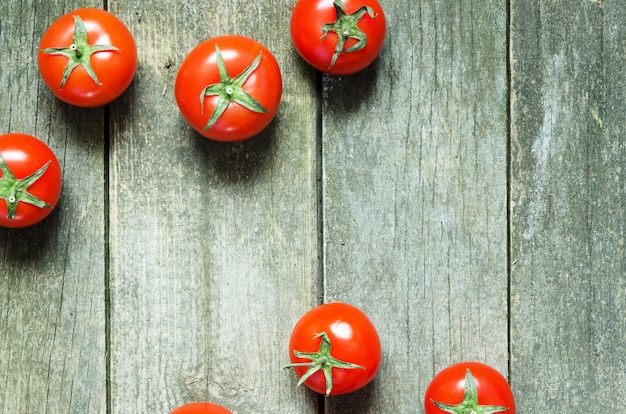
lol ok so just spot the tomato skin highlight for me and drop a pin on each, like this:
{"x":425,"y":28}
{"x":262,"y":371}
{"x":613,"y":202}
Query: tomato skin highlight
{"x":448,"y":387}
{"x":115,"y":70}
{"x":308,"y":18}
{"x":23,"y":155}
{"x":354,"y":339}
{"x":201,"y":408}
{"x":199,"y":69}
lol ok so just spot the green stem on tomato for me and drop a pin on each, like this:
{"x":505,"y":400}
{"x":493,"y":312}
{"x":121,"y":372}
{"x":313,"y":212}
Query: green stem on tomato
{"x":79,"y":52}
{"x":346,"y":26}
{"x":469,"y":404}
{"x":15,"y":190}
{"x":321,"y":360}
{"x":230,"y":90}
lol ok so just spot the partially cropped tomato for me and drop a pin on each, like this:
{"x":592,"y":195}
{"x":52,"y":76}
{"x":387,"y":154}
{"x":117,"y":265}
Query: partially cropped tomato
{"x":201,"y":408}
{"x":30,"y":180}
{"x":87,"y":57}
{"x":228,"y":88}
{"x":469,"y":387}
{"x":335,"y":349}
{"x":340,"y":37}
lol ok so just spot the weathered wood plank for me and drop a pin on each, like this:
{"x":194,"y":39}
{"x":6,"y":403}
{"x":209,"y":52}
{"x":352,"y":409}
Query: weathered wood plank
{"x":212,"y":249}
{"x":213,"y":246}
{"x":52,"y":307}
{"x":415,"y":196}
{"x":568,"y":206}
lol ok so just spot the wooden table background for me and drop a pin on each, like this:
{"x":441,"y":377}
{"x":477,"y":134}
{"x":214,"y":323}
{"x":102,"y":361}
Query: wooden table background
{"x":467,"y":191}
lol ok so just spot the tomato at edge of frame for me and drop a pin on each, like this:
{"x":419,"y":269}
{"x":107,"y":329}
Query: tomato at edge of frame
{"x":448,"y":387}
{"x":114,"y":70}
{"x":309,"y":16}
{"x":353,"y":337}
{"x":199,"y":69}
{"x":201,"y":408}
{"x":24,"y":155}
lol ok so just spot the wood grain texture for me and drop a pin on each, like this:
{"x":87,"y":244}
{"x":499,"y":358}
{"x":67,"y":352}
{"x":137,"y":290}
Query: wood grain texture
{"x":568,"y":206}
{"x":52,"y":308}
{"x":174,"y":268}
{"x":414,"y":163}
{"x":213,"y":246}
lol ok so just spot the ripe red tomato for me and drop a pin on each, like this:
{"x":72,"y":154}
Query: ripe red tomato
{"x":201,"y":408}
{"x":30,"y":180}
{"x":228,"y":88}
{"x":340,"y":37}
{"x":87,"y":57}
{"x":335,"y":349}
{"x":469,"y":387}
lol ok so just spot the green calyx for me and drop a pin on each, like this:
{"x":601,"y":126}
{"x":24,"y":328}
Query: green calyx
{"x":15,"y":190}
{"x":469,"y":405}
{"x":79,"y":52}
{"x":230,"y":90}
{"x":323,"y":361}
{"x":347,"y":27}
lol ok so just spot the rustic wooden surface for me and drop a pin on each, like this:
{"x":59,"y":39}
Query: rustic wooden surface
{"x":568,"y":206}
{"x":466,"y":191}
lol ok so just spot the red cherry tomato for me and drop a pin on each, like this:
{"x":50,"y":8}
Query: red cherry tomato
{"x":87,"y":57}
{"x":340,"y":37}
{"x":469,"y":387}
{"x":335,"y":349}
{"x":201,"y":408}
{"x":228,"y":88}
{"x":30,"y":180}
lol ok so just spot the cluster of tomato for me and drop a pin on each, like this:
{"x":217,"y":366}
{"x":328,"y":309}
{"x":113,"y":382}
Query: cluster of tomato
{"x":228,"y":88}
{"x":335,"y":349}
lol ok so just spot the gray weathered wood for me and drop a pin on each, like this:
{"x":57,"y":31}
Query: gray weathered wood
{"x":213,"y":246}
{"x":52,"y":308}
{"x":414,"y":157}
{"x":568,"y":209}
{"x":174,"y":268}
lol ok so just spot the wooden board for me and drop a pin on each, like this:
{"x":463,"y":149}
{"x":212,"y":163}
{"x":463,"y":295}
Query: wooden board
{"x":52,"y":275}
{"x":568,"y":209}
{"x":466,"y":191}
{"x":414,"y":156}
{"x":213,"y":247}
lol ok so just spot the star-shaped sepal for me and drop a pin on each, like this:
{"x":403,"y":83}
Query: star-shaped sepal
{"x":230,"y":90}
{"x":470,"y":405}
{"x":347,"y":27}
{"x":79,"y":52}
{"x":323,"y":361}
{"x":15,"y":190}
